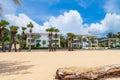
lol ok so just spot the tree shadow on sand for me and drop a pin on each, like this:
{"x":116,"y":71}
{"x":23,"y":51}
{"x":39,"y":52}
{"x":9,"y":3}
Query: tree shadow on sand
{"x":14,"y":68}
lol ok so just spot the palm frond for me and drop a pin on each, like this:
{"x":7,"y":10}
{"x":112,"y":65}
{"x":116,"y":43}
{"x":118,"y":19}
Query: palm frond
{"x":18,"y":2}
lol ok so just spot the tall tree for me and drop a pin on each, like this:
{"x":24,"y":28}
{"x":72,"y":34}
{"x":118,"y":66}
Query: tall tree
{"x":23,"y":30}
{"x":30,"y":25}
{"x":70,"y":37}
{"x":13,"y":30}
{"x":56,"y":36}
{"x":62,"y":42}
{"x":23,"y":36}
{"x":110,"y":35}
{"x":91,"y":39}
{"x":118,"y":35}
{"x":84,"y":40}
{"x":3,"y":24}
{"x":80,"y":41}
{"x":50,"y":30}
{"x":19,"y":40}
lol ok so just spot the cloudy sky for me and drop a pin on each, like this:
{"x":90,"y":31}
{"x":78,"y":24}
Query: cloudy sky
{"x":97,"y":17}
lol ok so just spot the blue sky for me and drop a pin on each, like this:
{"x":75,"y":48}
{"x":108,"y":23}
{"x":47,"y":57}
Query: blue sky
{"x":38,"y":9}
{"x":78,"y":16}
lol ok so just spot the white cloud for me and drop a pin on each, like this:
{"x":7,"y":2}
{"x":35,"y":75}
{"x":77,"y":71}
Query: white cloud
{"x":8,"y":6}
{"x":111,"y":23}
{"x":85,"y":3}
{"x":23,"y":20}
{"x":112,"y":6}
{"x":49,"y":2}
{"x":70,"y":22}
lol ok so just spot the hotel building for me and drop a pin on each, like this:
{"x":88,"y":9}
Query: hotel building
{"x":38,"y":38}
{"x":86,"y":43}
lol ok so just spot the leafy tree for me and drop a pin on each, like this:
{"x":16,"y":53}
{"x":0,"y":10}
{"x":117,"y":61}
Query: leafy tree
{"x":80,"y":41}
{"x":118,"y":35}
{"x":30,"y":25}
{"x":92,"y":40}
{"x":23,"y":37}
{"x":84,"y":40}
{"x":110,"y":35}
{"x":70,"y":37}
{"x":56,"y":35}
{"x":13,"y":30}
{"x":3,"y":24}
{"x":44,"y":42}
{"x":50,"y":34}
{"x":62,"y":41}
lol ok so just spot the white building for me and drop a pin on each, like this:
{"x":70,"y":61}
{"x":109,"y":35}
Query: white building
{"x":38,"y":38}
{"x":86,"y":43}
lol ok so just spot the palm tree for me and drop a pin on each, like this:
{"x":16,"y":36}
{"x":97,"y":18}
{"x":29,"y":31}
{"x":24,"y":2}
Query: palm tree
{"x":30,"y":25}
{"x":92,"y":39}
{"x":110,"y":35}
{"x":13,"y":30}
{"x":19,"y":40}
{"x":84,"y":40}
{"x":18,"y":2}
{"x":3,"y":24}
{"x":62,"y":42}
{"x":49,"y":35}
{"x":70,"y":37}
{"x":23,"y":29}
{"x":80,"y":41}
{"x":23,"y":36}
{"x":118,"y":35}
{"x":50,"y":30}
{"x":56,"y":35}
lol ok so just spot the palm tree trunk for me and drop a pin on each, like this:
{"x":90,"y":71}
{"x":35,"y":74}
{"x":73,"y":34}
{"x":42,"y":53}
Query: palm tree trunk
{"x":79,"y":44}
{"x":82,"y":44}
{"x":30,"y":42}
{"x":72,"y":45}
{"x":90,"y":43}
{"x":55,"y":44}
{"x":10,"y":46}
{"x":55,"y":41}
{"x":20,"y":45}
{"x":69,"y":45}
{"x":14,"y":41}
{"x":3,"y":46}
{"x":51,"y":44}
{"x":49,"y":41}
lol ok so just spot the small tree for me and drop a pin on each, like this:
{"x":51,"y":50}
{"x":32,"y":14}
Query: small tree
{"x":3,"y":24}
{"x":70,"y":37}
{"x":84,"y":40}
{"x":30,"y":25}
{"x":80,"y":41}
{"x":56,"y":35}
{"x":44,"y":42}
{"x":13,"y":30}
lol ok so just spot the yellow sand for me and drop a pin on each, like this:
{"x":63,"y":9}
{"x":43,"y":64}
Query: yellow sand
{"x":42,"y":65}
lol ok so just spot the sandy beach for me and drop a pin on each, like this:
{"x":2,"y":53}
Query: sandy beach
{"x":43,"y":65}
